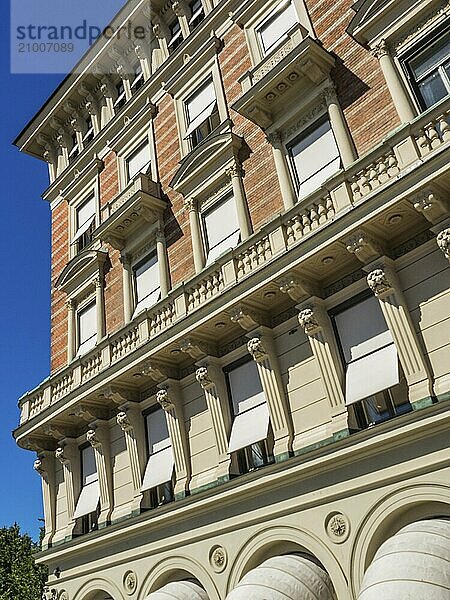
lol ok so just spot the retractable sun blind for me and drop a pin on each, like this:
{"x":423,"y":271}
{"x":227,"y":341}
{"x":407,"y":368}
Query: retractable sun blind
{"x":85,"y":216}
{"x":200,"y":106}
{"x":161,"y":462}
{"x":90,"y":493}
{"x":148,"y":290}
{"x":221,"y":229}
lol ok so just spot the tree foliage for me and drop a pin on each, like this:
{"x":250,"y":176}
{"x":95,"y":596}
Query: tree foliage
{"x":20,"y":577}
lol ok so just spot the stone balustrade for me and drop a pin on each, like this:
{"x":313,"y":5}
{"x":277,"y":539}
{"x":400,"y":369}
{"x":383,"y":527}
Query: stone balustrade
{"x":398,"y":156}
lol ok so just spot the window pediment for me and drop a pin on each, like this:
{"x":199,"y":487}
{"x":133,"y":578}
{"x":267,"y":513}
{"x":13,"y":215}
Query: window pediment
{"x":289,"y":74}
{"x":83,"y":267}
{"x":378,"y":19}
{"x":213,"y":155}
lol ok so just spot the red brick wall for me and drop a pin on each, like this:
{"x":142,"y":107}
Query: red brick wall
{"x":60,"y":257}
{"x":367,"y":106}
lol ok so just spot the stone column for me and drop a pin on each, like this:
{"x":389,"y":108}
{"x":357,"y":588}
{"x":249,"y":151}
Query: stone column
{"x":236,"y":176}
{"x":127,"y":279}
{"x":196,"y":234}
{"x":400,"y":97}
{"x":45,"y":466}
{"x":282,"y":167}
{"x":163,"y":263}
{"x":68,"y":454}
{"x":131,"y":422}
{"x":169,"y":397}
{"x":316,"y":324}
{"x":262,"y":350}
{"x":382,"y":280}
{"x":100,"y":307}
{"x":443,"y":241}
{"x":340,"y":129}
{"x":98,"y":437}
{"x":212,"y":380}
{"x":70,"y":330}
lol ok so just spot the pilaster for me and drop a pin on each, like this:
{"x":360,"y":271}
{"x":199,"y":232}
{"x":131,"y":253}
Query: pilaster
{"x":68,"y":454}
{"x":98,"y":437}
{"x":45,"y":466}
{"x":383,"y":281}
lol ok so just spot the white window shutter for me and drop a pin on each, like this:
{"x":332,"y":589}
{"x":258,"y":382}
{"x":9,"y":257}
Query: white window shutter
{"x":200,"y":101}
{"x":316,"y":158}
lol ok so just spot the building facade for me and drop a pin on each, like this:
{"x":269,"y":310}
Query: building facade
{"x":250,"y":305}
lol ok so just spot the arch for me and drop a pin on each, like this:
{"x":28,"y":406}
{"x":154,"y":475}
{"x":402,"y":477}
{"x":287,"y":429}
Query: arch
{"x":388,"y":515}
{"x":177,"y":568}
{"x":92,"y":588}
{"x":413,"y":563}
{"x":275,"y":540}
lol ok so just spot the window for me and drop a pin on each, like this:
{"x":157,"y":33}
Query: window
{"x":314,"y":157}
{"x":430,"y":71}
{"x":147,"y":286}
{"x":121,"y":96}
{"x":158,"y":476}
{"x":201,"y":113}
{"x":84,"y":223}
{"x":89,"y":135}
{"x":176,"y":35}
{"x":197,"y":14}
{"x":251,"y":433}
{"x":75,"y":150}
{"x":87,"y":328}
{"x":138,"y":161}
{"x":274,"y":30}
{"x":87,"y":507}
{"x":138,"y":81}
{"x":220,"y":229}
{"x":374,"y":382}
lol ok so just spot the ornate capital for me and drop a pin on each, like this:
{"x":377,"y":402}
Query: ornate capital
{"x":234,"y":171}
{"x":382,"y":49}
{"x":123,"y":421}
{"x":256,"y":349}
{"x":91,"y":437}
{"x":379,"y":283}
{"x":49,"y":593}
{"x":191,"y":204}
{"x":59,"y":455}
{"x":163,"y":398}
{"x":309,"y":321}
{"x":179,"y":8}
{"x":203,"y":378}
{"x":38,"y":466}
{"x":443,"y":241}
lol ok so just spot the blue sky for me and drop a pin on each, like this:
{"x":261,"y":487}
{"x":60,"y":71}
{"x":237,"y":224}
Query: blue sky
{"x":25,"y":277}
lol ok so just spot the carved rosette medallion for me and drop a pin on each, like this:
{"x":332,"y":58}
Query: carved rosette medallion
{"x":218,"y":558}
{"x":63,"y":595}
{"x":130,"y":582}
{"x":337,"y":526}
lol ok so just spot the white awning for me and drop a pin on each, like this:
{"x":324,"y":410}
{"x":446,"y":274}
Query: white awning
{"x":179,"y":590}
{"x":83,"y":229}
{"x":159,"y":469}
{"x":200,"y":119}
{"x":287,"y":577}
{"x":249,"y":427}
{"x":88,"y":499}
{"x":147,"y":302}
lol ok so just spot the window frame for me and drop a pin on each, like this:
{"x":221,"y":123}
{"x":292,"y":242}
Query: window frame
{"x":88,"y":522}
{"x":194,"y":18}
{"x":133,"y":152}
{"x":405,"y":58}
{"x":84,"y":199}
{"x":175,"y":36}
{"x":296,"y":139}
{"x":192,"y":139}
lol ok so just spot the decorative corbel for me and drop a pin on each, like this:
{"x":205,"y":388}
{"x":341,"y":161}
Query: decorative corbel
{"x":364,"y":246}
{"x":431,"y":204}
{"x":118,"y":395}
{"x":195,"y":348}
{"x":90,"y":412}
{"x":297,"y":287}
{"x":246,"y":317}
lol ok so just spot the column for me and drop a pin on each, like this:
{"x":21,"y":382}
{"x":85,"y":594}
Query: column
{"x":127,"y":281}
{"x":340,"y":129}
{"x":45,"y":466}
{"x":169,"y":398}
{"x":400,"y":97}
{"x":262,"y":350}
{"x":316,"y":324}
{"x":131,"y":422}
{"x":196,"y":234}
{"x":382,"y":280}
{"x":98,"y":437}
{"x":281,"y":165}
{"x":68,"y":454}
{"x":70,"y":330}
{"x":212,"y":380}
{"x":163,"y":263}
{"x":100,"y":306}
{"x":109,"y":94}
{"x":236,"y":176}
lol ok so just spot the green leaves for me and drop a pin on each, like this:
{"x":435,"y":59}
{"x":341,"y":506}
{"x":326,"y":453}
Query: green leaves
{"x":20,"y":577}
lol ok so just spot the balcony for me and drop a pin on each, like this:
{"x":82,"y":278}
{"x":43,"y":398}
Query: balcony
{"x":374,"y":193}
{"x":139,"y":203}
{"x":284,"y":78}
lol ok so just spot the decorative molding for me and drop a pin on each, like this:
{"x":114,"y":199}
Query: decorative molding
{"x":163,"y":398}
{"x":130,"y":582}
{"x":196,"y":349}
{"x":297,"y":287}
{"x":378,"y":281}
{"x":257,"y":350}
{"x":380,"y":50}
{"x":319,"y":108}
{"x":246,"y":317}
{"x":118,"y":395}
{"x":365,"y":247}
{"x":49,"y":593}
{"x":337,"y":527}
{"x":202,"y":376}
{"x":218,"y":558}
{"x":308,"y":321}
{"x":431,"y":205}
{"x":429,"y":19}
